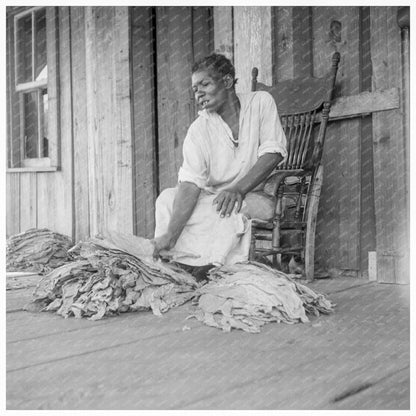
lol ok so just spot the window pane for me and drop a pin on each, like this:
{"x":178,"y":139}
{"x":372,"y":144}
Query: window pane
{"x":40,"y":45}
{"x":30,"y":102}
{"x":24,"y":49}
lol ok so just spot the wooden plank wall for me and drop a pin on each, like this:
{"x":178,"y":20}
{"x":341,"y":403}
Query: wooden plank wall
{"x":79,"y":120}
{"x":44,"y":199}
{"x":174,"y":98}
{"x":183,"y":35}
{"x":360,"y":209}
{"x":223,"y":31}
{"x":108,"y":119}
{"x":252,"y":44}
{"x":367,"y":208}
{"x":28,"y":210}
{"x":12,"y":204}
{"x":92,"y":189}
{"x":389,"y":152}
{"x":283,"y":43}
{"x":336,"y":28}
{"x":145,"y":158}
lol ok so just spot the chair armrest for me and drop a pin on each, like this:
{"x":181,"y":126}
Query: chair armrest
{"x":277,"y":177}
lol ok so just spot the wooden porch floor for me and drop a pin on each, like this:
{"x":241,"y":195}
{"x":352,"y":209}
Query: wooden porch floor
{"x":356,"y":358}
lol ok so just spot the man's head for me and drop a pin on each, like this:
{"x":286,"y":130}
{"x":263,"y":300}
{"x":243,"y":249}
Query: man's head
{"x":217,"y":65}
{"x":212,"y":78}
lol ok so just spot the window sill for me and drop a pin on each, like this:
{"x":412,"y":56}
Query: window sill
{"x":33,"y":169}
{"x":42,"y":164}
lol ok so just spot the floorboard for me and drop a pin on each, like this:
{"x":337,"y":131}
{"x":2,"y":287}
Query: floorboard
{"x":356,"y":358}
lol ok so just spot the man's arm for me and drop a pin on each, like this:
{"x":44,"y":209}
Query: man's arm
{"x":228,"y":198}
{"x":183,"y":206}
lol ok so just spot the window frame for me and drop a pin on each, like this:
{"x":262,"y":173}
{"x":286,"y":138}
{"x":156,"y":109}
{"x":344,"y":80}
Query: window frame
{"x":51,"y":84}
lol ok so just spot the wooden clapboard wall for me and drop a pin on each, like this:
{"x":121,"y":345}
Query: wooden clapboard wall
{"x":109,"y":118}
{"x":92,"y":189}
{"x":390,"y":151}
{"x":337,"y":28}
{"x":363,"y":201}
{"x":145,"y":156}
{"x":45,"y":199}
{"x":183,"y":35}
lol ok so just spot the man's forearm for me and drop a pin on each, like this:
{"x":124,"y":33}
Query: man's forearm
{"x":183,"y":206}
{"x":259,"y":172}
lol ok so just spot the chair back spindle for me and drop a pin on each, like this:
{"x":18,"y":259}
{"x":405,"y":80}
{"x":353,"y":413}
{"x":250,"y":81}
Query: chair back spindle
{"x":302,"y":103}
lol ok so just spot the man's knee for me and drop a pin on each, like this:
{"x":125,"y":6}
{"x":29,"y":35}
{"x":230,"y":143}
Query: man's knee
{"x":165,"y":198}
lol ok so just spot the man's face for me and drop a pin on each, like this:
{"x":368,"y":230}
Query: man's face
{"x":209,"y":92}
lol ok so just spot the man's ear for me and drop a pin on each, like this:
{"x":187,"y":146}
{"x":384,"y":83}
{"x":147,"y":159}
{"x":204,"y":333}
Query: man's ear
{"x":228,"y":81}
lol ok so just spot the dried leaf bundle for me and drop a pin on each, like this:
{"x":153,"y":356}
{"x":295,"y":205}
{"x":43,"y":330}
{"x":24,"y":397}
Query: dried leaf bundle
{"x":106,"y":280}
{"x":37,"y":250}
{"x":248,"y":295}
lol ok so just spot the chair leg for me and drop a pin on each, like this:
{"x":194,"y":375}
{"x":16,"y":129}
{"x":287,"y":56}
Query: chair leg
{"x":276,"y":229}
{"x":252,"y":251}
{"x":311,"y":224}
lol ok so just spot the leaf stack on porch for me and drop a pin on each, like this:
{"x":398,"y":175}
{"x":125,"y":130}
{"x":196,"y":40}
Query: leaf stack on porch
{"x":106,"y":280}
{"x":37,"y":251}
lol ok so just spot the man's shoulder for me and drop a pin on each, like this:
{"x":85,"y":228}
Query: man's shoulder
{"x":199,"y":124}
{"x":255,"y":97}
{"x":262,"y":96}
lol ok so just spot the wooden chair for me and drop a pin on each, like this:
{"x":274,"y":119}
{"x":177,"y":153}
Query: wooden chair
{"x":294,"y":187}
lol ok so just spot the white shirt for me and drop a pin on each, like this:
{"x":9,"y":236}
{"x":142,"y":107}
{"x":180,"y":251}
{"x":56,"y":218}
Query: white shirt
{"x":211,"y":160}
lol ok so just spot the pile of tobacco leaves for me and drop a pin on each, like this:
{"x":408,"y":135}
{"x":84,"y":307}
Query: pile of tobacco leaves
{"x":37,"y":250}
{"x":105,"y":279}
{"x":248,"y":295}
{"x":115,"y":273}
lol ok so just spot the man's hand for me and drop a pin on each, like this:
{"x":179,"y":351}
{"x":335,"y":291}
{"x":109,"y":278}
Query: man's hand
{"x":227,"y":200}
{"x":163,"y":242}
{"x":234,"y":196}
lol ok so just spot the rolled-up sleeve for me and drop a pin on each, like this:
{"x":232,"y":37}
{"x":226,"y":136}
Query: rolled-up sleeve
{"x":194,"y":167}
{"x":272,"y":136}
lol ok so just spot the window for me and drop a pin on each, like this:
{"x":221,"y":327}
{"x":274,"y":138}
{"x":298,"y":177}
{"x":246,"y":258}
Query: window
{"x":32,"y":87}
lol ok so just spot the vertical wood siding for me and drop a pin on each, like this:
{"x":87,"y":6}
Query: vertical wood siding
{"x":303,"y":41}
{"x":13,"y":203}
{"x":339,"y":220}
{"x":367,"y":209}
{"x":283,"y":43}
{"x":144,"y":122}
{"x":223,"y":31}
{"x":252,"y":44}
{"x":389,"y":151}
{"x":79,"y":122}
{"x":174,"y":98}
{"x":359,"y":205}
{"x":94,"y":182}
{"x":176,"y":29}
{"x":28,"y":210}
{"x":109,"y":122}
